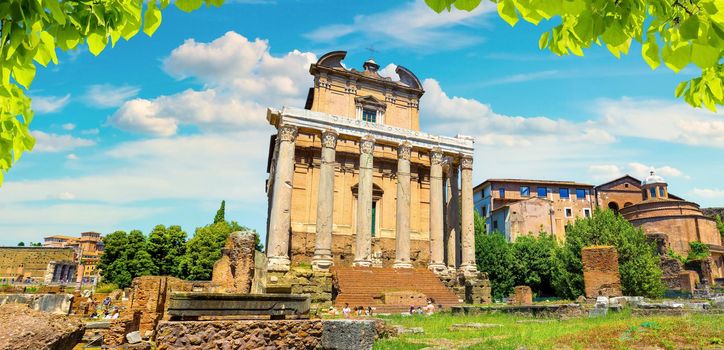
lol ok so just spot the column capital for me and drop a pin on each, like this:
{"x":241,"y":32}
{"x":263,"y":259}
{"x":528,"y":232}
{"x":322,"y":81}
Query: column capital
{"x":367,"y":144}
{"x":329,"y":138}
{"x":466,"y":162}
{"x":404,"y":150}
{"x":287,"y":132}
{"x":436,"y":156}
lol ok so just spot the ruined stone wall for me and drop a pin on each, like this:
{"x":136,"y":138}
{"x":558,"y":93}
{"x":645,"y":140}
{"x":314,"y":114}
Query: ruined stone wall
{"x":471,"y":289}
{"x":30,"y":261}
{"x":253,"y":334}
{"x":383,"y":250}
{"x":522,"y":295}
{"x":600,"y":271}
{"x":682,"y":230}
{"x":301,"y":280}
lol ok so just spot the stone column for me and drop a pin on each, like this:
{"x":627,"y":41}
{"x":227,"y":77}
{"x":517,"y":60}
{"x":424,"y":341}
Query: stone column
{"x":325,"y":203}
{"x":437,"y":248}
{"x":467,"y":264}
{"x":453,"y":216}
{"x":280,"y":216}
{"x":363,"y":243}
{"x":402,"y":241}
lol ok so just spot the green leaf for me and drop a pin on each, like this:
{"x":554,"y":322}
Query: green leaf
{"x":467,"y":5}
{"x":543,"y":41}
{"x":24,"y":74}
{"x":190,"y":5}
{"x":97,"y":41}
{"x":680,"y":88}
{"x":650,"y":52}
{"x":152,"y":18}
{"x":689,"y":29}
{"x":676,"y":59}
{"x":68,"y":37}
{"x":55,"y":10}
{"x":704,"y":56}
{"x":614,"y":35}
{"x":715,"y":86}
{"x":506,"y":10}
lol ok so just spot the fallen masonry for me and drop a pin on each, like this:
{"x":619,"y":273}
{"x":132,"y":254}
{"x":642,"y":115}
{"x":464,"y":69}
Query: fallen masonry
{"x":22,"y":328}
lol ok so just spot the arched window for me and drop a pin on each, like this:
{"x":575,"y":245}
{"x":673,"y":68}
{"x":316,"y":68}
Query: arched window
{"x":613,"y":206}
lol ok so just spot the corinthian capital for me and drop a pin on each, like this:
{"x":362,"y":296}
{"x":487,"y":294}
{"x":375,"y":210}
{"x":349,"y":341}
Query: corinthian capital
{"x":404,"y":150}
{"x":329,"y":138}
{"x":436,"y":156}
{"x":367,"y":145}
{"x":287,"y":133}
{"x":466,"y":162}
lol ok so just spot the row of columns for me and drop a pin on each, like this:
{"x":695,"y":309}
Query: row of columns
{"x":279,"y":222}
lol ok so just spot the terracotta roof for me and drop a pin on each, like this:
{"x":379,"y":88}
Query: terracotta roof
{"x":531,"y":181}
{"x":620,"y":178}
{"x":61,"y":236}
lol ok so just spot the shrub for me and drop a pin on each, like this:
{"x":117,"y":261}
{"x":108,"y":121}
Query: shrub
{"x":106,"y":287}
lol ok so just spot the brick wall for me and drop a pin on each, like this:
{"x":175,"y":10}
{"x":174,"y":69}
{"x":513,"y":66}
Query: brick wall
{"x":600,"y":271}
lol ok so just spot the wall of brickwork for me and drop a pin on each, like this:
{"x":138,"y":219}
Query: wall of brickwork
{"x":30,"y":261}
{"x":600,"y":271}
{"x":681,"y":230}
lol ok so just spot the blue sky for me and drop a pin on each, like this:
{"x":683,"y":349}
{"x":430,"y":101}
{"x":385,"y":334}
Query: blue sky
{"x":160,"y":130}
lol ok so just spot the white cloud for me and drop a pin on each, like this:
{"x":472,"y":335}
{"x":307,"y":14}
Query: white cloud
{"x":107,"y":96}
{"x":45,"y":142}
{"x":643,"y":170}
{"x":94,"y":131}
{"x":66,"y":196}
{"x":661,"y":120}
{"x":242,"y":79}
{"x":413,"y":25}
{"x":708,"y":193}
{"x":71,"y":156}
{"x":521,"y":77}
{"x":68,"y":126}
{"x":49,"y":104}
{"x":603,"y":172}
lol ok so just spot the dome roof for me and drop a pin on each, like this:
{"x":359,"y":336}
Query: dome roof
{"x":653,"y":179}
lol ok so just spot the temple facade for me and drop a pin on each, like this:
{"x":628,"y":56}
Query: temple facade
{"x":353,"y":180}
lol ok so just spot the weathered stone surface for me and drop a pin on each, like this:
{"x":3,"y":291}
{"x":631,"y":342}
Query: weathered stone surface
{"x":522,"y":295}
{"x":59,"y":304}
{"x":133,"y":337}
{"x":251,"y":334}
{"x":22,"y":328}
{"x":410,"y":330}
{"x":234,"y":271}
{"x":348,"y":334}
{"x":118,"y":329}
{"x":688,"y":281}
{"x":600,"y":271}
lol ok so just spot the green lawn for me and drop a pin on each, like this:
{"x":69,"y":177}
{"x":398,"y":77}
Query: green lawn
{"x":615,"y":331}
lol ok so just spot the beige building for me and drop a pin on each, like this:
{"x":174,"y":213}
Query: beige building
{"x":36,"y":265}
{"x":87,"y":251}
{"x":517,"y":207}
{"x":353,"y":181}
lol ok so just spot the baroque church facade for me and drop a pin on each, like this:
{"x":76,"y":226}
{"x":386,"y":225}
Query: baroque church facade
{"x":354,"y":182}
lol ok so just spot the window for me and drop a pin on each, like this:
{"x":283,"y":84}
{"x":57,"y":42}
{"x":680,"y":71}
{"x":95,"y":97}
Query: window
{"x":569,"y":212}
{"x":587,"y":212}
{"x":580,"y":193}
{"x":369,"y":115}
{"x":653,"y":192}
{"x":495,"y":224}
{"x":483,"y":211}
{"x":646,"y":195}
{"x":564,"y":192}
{"x":661,"y":192}
{"x":374,"y":212}
{"x":501,"y":192}
{"x":525,"y":191}
{"x":542,"y":192}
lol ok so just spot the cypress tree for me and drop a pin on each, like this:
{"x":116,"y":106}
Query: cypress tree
{"x":220,"y":213}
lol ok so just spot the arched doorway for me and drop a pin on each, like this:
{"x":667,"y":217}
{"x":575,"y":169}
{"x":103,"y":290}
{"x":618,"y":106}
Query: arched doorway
{"x":627,"y":204}
{"x":613,"y":206}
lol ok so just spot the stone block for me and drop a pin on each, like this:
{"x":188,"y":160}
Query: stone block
{"x":234,"y":271}
{"x":348,"y":334}
{"x":688,"y":281}
{"x":522,"y":295}
{"x":22,"y":328}
{"x":133,"y":337}
{"x":600,"y":271}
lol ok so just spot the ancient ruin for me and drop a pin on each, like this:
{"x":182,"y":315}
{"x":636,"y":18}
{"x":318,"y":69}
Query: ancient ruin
{"x":600,"y":271}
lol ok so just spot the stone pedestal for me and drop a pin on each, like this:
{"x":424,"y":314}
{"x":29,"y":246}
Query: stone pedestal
{"x":522,"y":295}
{"x":234,"y":271}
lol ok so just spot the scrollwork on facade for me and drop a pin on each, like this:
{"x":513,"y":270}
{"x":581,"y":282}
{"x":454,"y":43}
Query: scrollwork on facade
{"x":466,"y":162}
{"x":329,"y":139}
{"x":367,"y":145}
{"x":404,"y":150}
{"x":287,"y":133}
{"x":436,"y":156}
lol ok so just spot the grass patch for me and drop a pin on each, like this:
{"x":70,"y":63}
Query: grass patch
{"x":614,"y":331}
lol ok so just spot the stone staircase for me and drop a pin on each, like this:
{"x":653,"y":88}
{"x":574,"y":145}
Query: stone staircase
{"x":389,"y":290}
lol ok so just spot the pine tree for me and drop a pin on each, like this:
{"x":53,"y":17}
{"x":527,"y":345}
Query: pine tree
{"x":220,"y":213}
